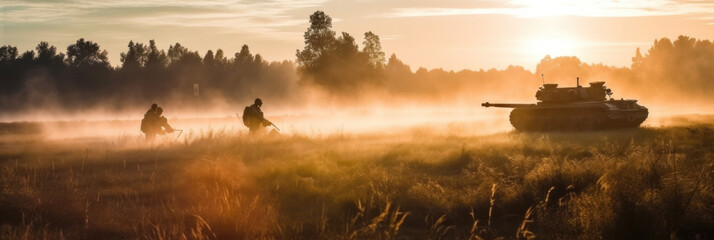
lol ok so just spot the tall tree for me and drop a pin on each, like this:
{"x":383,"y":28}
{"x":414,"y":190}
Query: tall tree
{"x":336,"y":63}
{"x":637,"y":60}
{"x":208,"y":59}
{"x":397,"y":67}
{"x":135,"y":57}
{"x":176,"y":52}
{"x":10,"y":80}
{"x":86,"y":53}
{"x":155,"y":58}
{"x":561,"y":69}
{"x":319,"y":39}
{"x":220,"y":58}
{"x":345,"y":46}
{"x":47,"y":55}
{"x":373,"y":49}
{"x":244,"y":57}
{"x":27,"y":58}
{"x":180,"y":55}
{"x":8,"y":53}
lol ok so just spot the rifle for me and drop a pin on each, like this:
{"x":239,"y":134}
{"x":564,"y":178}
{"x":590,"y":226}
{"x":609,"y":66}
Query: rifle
{"x":180,"y":132}
{"x":271,"y":123}
{"x":276,"y":127}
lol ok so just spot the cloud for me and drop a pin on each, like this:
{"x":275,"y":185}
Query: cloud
{"x":251,"y":17}
{"x":585,"y":8}
{"x":33,"y":12}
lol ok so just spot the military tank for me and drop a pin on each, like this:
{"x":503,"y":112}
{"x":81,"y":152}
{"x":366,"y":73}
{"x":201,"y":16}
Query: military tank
{"x":575,"y":109}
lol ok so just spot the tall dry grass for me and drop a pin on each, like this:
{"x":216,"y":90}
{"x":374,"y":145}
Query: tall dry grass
{"x":648,"y":183}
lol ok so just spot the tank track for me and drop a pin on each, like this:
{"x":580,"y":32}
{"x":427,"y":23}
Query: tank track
{"x":571,"y":119}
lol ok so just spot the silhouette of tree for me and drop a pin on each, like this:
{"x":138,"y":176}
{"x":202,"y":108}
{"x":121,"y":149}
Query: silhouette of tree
{"x":38,"y":78}
{"x":155,"y":59}
{"x":561,"y":69}
{"x":82,"y":78}
{"x":86,"y":53}
{"x":683,"y":65}
{"x":176,"y":52}
{"x":244,"y":57}
{"x":220,"y":59}
{"x":181,"y":55}
{"x":135,"y":57}
{"x":396,"y":65}
{"x":245,"y":66}
{"x":258,"y":59}
{"x":637,"y":60}
{"x":319,"y":39}
{"x":208,"y":59}
{"x":27,"y":57}
{"x":336,"y":63}
{"x":373,"y":48}
{"x":343,"y":54}
{"x":8,"y":53}
{"x":9,"y":71}
{"x":47,"y":55}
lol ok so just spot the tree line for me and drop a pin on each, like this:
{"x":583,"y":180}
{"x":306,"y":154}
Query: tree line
{"x":669,"y":72}
{"x":82,"y":78}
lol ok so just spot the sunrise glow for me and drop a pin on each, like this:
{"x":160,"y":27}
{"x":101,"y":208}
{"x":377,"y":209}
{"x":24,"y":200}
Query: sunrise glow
{"x":356,"y":119}
{"x":538,"y":47}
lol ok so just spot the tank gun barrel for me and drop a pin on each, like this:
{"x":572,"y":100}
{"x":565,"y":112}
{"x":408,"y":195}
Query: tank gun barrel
{"x":507,"y":105}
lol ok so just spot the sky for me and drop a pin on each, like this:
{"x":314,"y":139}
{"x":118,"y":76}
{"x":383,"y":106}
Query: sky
{"x":448,"y":34}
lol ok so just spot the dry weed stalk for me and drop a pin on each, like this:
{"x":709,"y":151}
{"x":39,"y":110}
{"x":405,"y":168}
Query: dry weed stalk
{"x":386,"y":225}
{"x":492,"y":201}
{"x":439,"y":230}
{"x":523,"y":232}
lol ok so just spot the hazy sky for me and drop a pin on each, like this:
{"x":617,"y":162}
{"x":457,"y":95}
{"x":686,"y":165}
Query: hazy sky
{"x":449,"y":34}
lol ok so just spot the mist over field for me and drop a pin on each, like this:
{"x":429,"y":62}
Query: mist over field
{"x":333,"y":75}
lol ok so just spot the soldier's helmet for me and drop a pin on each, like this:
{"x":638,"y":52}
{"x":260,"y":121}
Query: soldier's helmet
{"x":258,"y":102}
{"x":154,"y":106}
{"x":159,"y":111}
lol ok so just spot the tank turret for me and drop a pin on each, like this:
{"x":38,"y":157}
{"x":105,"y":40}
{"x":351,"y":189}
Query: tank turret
{"x":574,"y":108}
{"x":551,"y":93}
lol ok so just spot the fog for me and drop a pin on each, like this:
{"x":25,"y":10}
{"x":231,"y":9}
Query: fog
{"x":457,"y":122}
{"x":332,"y":88}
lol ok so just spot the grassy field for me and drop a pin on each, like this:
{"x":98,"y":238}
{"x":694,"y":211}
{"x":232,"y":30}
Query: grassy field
{"x":647,"y":183}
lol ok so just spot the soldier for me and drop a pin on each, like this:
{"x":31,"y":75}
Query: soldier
{"x":162,"y":124}
{"x":148,"y":121}
{"x":152,"y":110}
{"x":253,"y":117}
{"x":154,"y":123}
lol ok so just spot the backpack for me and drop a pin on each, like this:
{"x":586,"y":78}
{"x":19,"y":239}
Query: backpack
{"x":248,"y":117}
{"x":144,"y":125}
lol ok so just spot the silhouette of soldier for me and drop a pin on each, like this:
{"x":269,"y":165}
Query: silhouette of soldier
{"x":148,"y":120}
{"x":162,"y":124}
{"x":152,"y":110}
{"x":253,"y":117}
{"x":154,"y":123}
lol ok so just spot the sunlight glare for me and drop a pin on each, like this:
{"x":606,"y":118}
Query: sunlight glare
{"x":538,"y":47}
